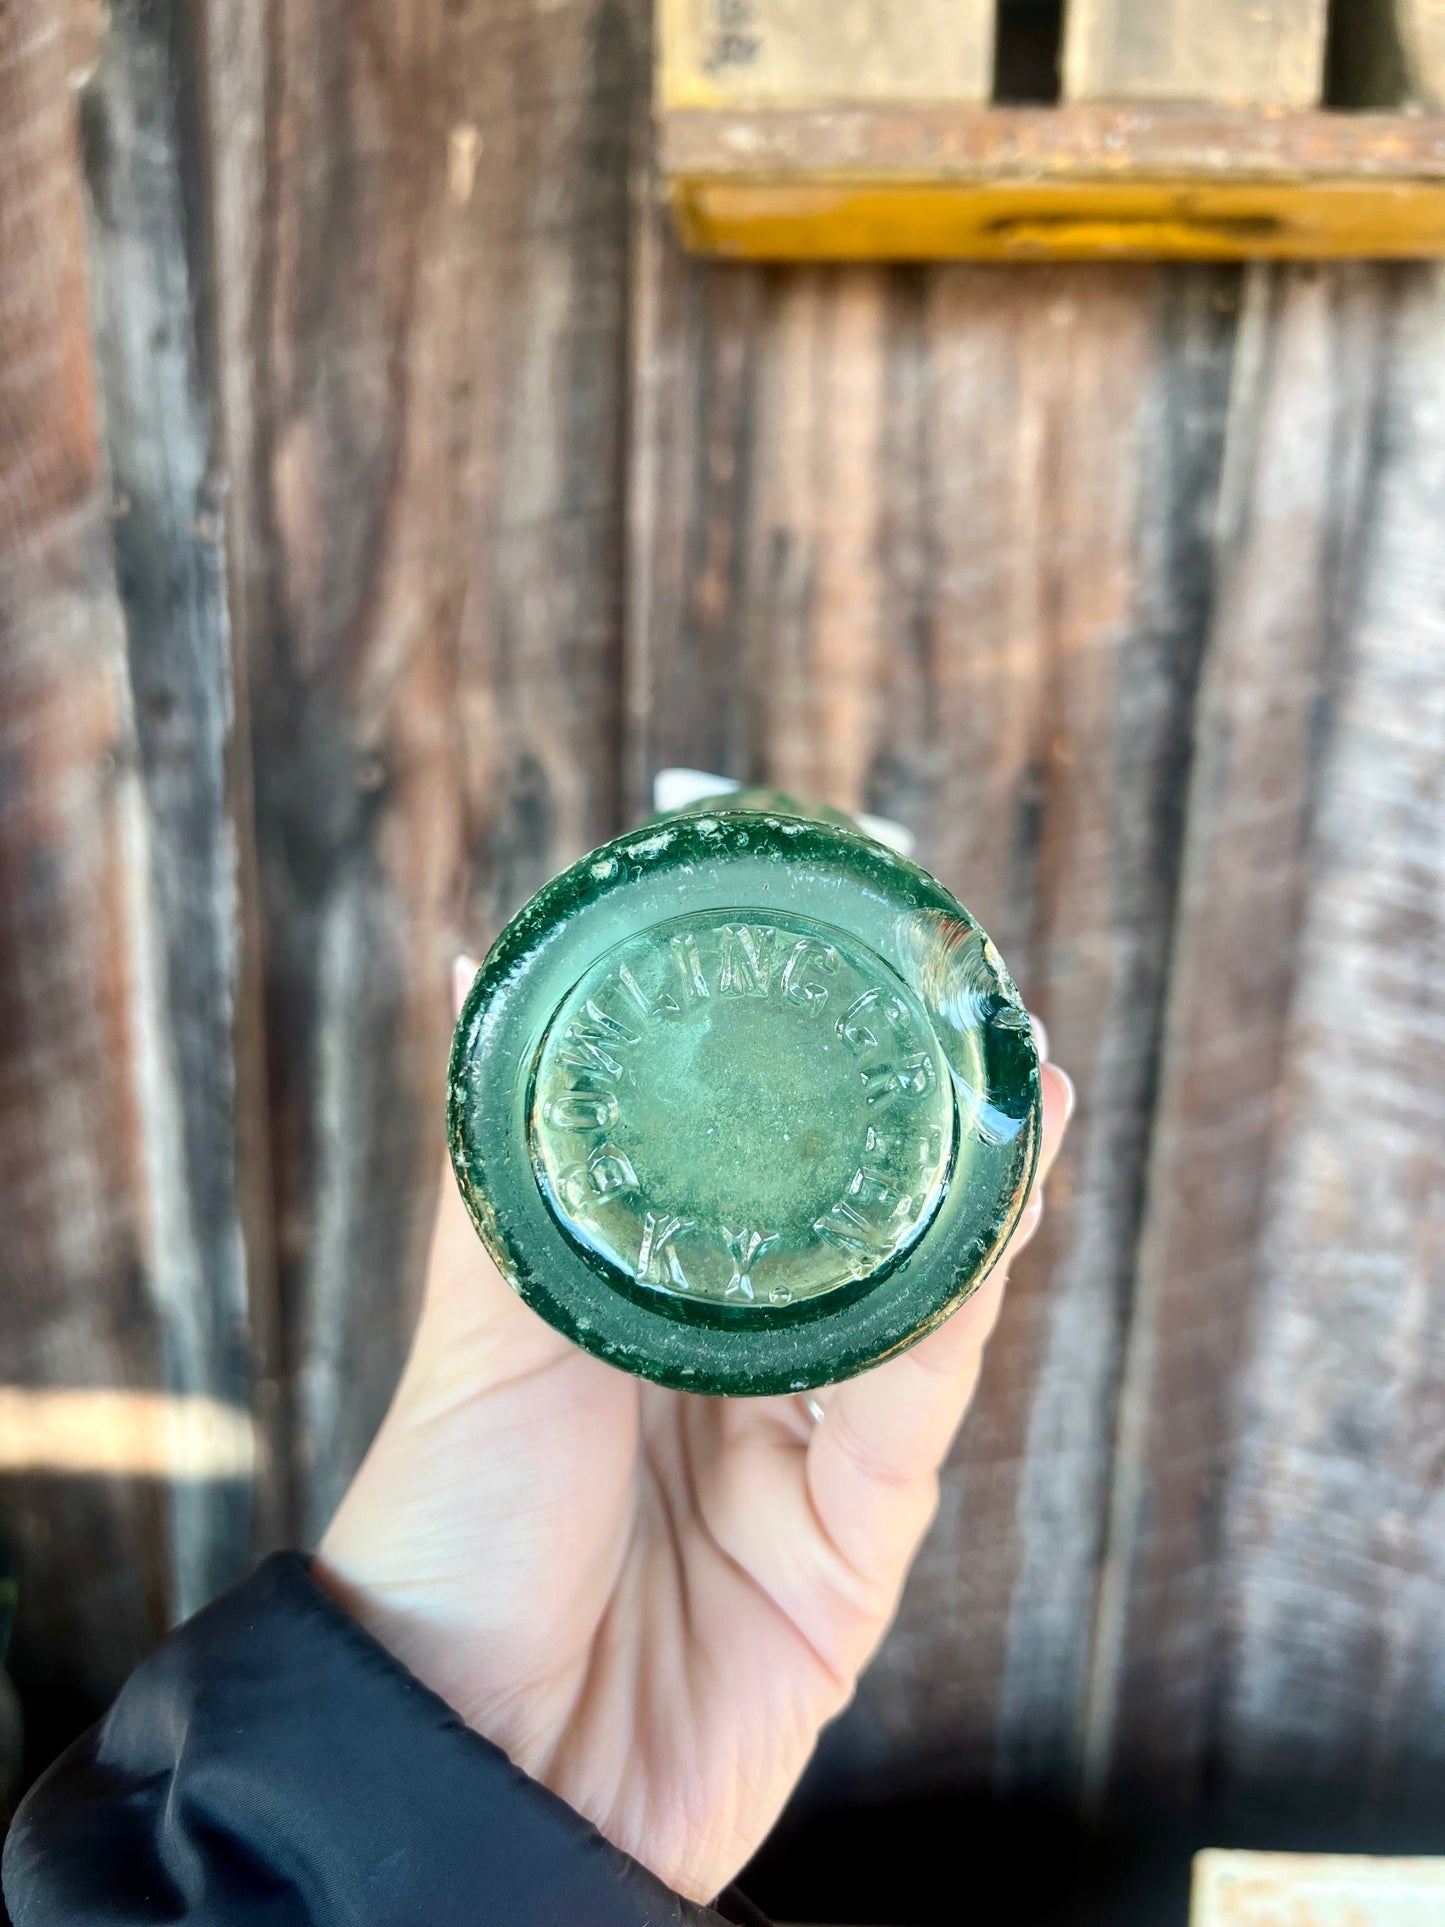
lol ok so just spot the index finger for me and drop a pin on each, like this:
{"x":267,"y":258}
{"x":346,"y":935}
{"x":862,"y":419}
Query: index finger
{"x":873,"y":1456}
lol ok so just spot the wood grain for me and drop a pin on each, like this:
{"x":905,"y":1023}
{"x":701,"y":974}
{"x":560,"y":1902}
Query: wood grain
{"x":49,"y":416}
{"x":73,"y":1293}
{"x":421,"y":220}
{"x":194,"y":950}
{"x":1288,"y":533}
{"x":95,"y":1043}
{"x":1334,"y":1533}
{"x":935,"y":544}
{"x":1194,"y":50}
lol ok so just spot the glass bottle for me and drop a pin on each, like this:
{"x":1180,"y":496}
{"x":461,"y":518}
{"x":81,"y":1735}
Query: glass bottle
{"x":744,"y":1101}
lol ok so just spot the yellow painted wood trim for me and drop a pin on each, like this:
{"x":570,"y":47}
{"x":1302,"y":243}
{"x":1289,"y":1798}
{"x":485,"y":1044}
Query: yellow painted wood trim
{"x":1192,"y":220}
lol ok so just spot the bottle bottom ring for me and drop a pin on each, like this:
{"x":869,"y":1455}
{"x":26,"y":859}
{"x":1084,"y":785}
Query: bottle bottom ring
{"x":742,"y":1111}
{"x":744,"y":1102}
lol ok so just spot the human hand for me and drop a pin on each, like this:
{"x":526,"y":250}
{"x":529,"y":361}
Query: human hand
{"x":652,"y":1601}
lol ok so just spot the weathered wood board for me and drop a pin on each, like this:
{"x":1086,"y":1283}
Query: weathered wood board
{"x":421,"y":289}
{"x":1289,"y":527}
{"x":197,"y":956}
{"x":822,"y":50}
{"x":135,"y":1291}
{"x":936,"y":544}
{"x":1233,"y":50}
{"x":1334,"y":1515}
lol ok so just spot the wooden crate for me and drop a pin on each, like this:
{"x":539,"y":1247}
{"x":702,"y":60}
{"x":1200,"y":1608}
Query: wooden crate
{"x":811,"y":145}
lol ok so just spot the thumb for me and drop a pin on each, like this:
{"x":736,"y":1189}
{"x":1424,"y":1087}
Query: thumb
{"x":472,"y":1322}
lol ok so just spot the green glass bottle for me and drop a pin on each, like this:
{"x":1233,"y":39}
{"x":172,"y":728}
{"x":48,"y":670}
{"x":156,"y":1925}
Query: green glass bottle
{"x":744,"y":1101}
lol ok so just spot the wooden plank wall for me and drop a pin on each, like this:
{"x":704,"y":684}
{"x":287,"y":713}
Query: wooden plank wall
{"x":393,"y":503}
{"x":129,"y":1115}
{"x":420,"y":222}
{"x":910,"y":504}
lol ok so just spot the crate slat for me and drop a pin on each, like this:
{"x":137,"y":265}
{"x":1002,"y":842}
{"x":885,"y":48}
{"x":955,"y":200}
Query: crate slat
{"x":805,"y":51}
{"x":1421,"y":28}
{"x":1268,"y":52}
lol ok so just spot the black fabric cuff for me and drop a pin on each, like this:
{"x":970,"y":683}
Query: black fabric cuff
{"x":272,"y":1764}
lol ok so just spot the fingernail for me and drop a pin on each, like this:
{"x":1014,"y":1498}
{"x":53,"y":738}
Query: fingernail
{"x":1071,"y":1096}
{"x":1028,"y":1225}
{"x":464,"y":969}
{"x":1041,"y":1035}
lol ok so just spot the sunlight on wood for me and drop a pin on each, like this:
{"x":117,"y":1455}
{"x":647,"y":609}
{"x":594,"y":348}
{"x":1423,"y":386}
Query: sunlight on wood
{"x":123,"y":1434}
{"x":1315,"y":1890}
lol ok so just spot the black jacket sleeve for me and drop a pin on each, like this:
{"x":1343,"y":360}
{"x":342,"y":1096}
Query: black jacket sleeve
{"x":272,"y":1766}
